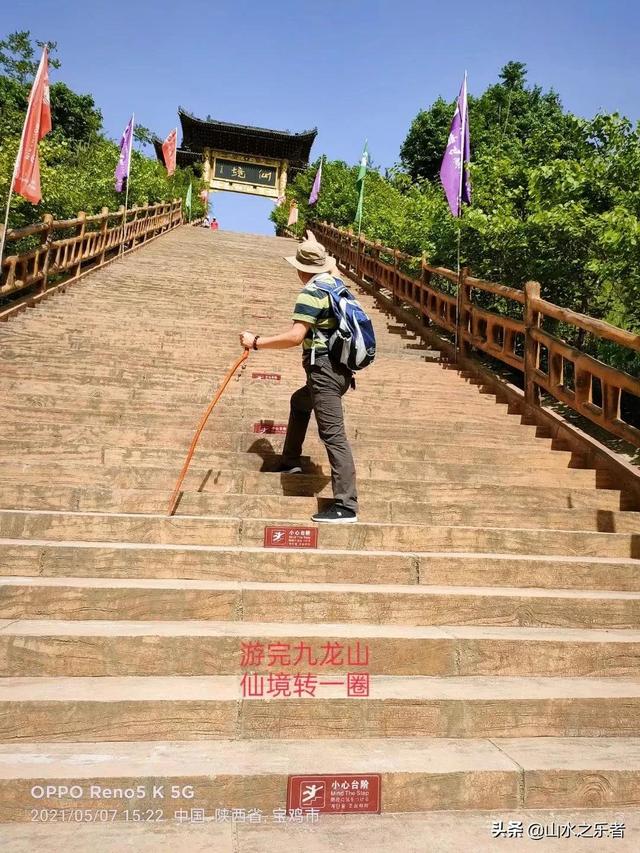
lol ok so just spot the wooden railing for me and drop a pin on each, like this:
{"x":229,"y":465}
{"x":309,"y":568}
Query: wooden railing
{"x":50,"y":253}
{"x":446,"y":299}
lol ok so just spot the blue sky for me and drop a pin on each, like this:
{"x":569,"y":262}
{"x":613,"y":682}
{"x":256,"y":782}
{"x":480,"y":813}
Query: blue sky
{"x":353,"y":69}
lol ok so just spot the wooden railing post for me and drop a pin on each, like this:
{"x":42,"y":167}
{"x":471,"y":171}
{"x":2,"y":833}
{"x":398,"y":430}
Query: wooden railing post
{"x":425,"y":278}
{"x":463,"y":308}
{"x":396,"y":298}
{"x":376,"y":266}
{"x":82,"y":225}
{"x":123,"y":212}
{"x":134,"y":224}
{"x":531,"y":346}
{"x":361,"y":240}
{"x":46,"y":242}
{"x":140,"y":226}
{"x":103,"y":234}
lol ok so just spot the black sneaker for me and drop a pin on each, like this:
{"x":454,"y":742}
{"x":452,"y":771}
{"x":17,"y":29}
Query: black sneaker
{"x":335,"y":514}
{"x":284,"y":468}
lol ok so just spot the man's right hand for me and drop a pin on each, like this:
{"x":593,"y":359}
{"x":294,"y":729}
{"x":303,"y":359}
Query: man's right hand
{"x":246,"y":339}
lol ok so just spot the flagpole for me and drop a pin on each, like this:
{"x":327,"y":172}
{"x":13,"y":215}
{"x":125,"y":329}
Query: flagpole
{"x":364,"y":177}
{"x":126,"y":189}
{"x":463,"y":130}
{"x":458,"y":293}
{"x":462,"y":168}
{"x":6,"y":215}
{"x":12,"y":184}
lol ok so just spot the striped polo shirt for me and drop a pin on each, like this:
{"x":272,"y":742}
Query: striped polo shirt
{"x":313,"y":307}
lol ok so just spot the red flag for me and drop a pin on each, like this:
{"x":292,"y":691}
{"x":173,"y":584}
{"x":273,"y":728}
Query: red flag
{"x":169,"y":151}
{"x":36,"y":125}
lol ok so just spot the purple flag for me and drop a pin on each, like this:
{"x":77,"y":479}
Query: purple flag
{"x":315,"y":189}
{"x":122,"y":169}
{"x":454,"y":173}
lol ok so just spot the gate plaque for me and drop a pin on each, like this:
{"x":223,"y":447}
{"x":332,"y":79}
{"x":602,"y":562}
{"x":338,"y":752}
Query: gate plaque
{"x":348,"y":793}
{"x":241,"y":172}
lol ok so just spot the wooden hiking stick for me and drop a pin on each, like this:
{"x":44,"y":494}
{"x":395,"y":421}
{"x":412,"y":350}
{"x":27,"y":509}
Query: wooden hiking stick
{"x":203,"y":420}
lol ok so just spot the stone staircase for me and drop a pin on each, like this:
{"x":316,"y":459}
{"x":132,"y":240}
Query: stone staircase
{"x":495,"y":588}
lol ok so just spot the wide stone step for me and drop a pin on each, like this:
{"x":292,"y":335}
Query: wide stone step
{"x":210,"y":338}
{"x":199,"y":392}
{"x":141,"y":418}
{"x":161,"y":599}
{"x":31,"y":647}
{"x":314,"y":706}
{"x":375,"y":497}
{"x":417,"y":774}
{"x":204,"y":530}
{"x":407,"y":488}
{"x":182,"y":350}
{"x":138,"y":366}
{"x":92,"y":467}
{"x":184,"y":375}
{"x":48,"y":558}
{"x":83,"y":427}
{"x":133,"y":406}
{"x":379,"y":424}
{"x":61,"y":353}
{"x":156,"y":443}
{"x":173,"y":347}
{"x":73,"y":369}
{"x":484,"y":508}
{"x":203,"y":324}
{"x":504,"y":513}
{"x":385,"y":459}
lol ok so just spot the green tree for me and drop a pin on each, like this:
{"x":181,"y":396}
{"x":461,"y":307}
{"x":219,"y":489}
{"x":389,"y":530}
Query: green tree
{"x":508,"y":117}
{"x":18,"y":59}
{"x":74,"y":116}
{"x":421,"y":152}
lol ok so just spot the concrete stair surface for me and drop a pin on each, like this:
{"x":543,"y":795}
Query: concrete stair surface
{"x":490,"y":591}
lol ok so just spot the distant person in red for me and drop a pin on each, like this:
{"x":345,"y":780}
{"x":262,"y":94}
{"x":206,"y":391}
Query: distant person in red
{"x":214,"y":224}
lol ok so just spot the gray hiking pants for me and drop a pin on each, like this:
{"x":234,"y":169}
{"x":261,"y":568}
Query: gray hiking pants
{"x":322,"y":395}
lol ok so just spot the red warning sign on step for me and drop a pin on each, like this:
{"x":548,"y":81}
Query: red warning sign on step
{"x":270,"y":428}
{"x":274,"y":377}
{"x":291,"y":537}
{"x":349,"y":793}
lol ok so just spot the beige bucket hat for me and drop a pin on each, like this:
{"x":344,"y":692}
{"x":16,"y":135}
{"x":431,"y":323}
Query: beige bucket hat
{"x":311,"y":257}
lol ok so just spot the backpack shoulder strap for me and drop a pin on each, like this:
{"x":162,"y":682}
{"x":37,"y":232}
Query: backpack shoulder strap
{"x":337,"y":286}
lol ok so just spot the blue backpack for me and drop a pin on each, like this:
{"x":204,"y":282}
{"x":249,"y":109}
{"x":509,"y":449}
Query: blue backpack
{"x":353,"y":343}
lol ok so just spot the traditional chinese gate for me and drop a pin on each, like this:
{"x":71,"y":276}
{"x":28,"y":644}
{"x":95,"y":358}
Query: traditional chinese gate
{"x":242,"y":159}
